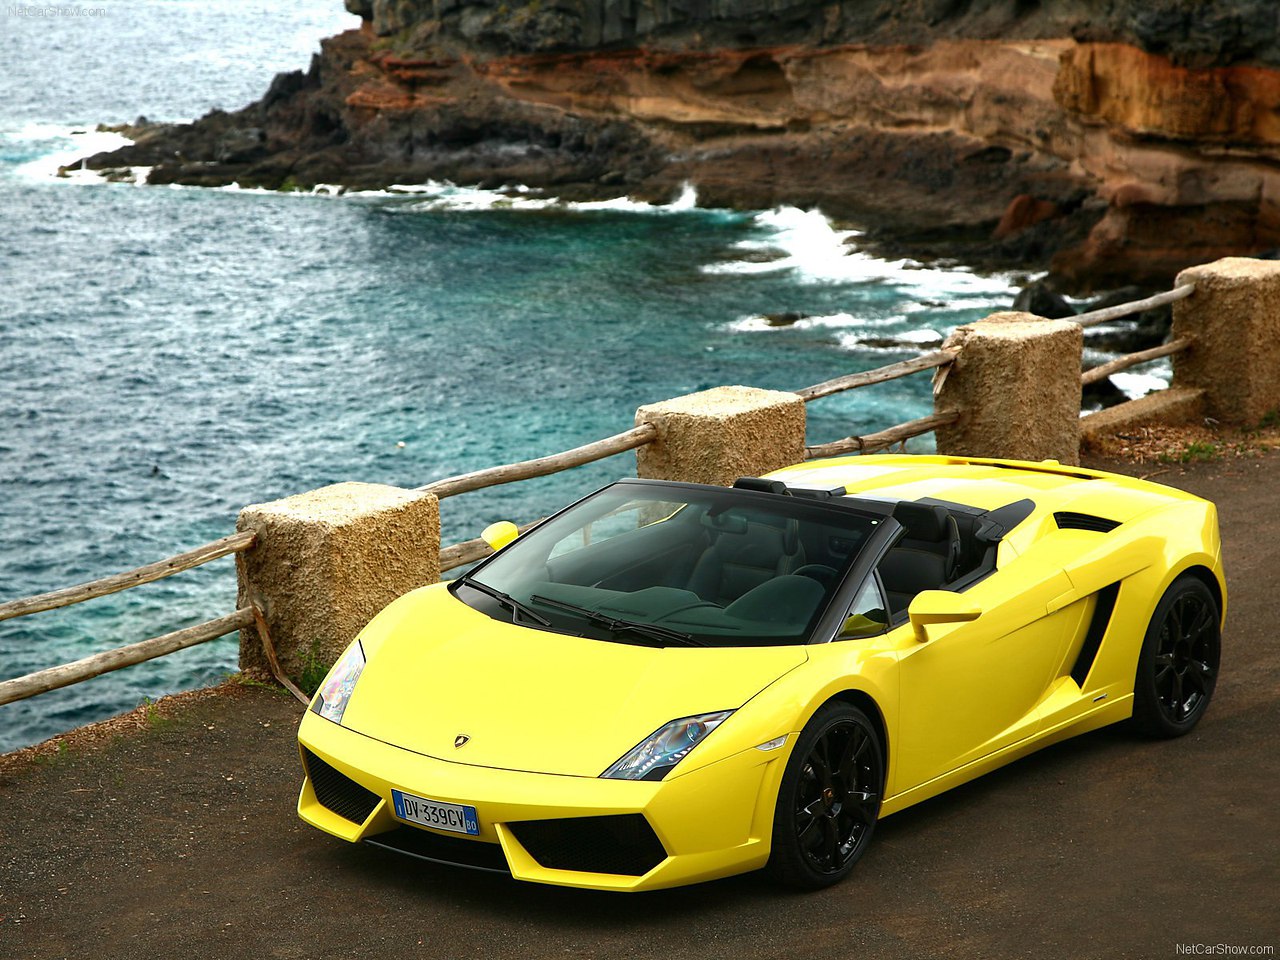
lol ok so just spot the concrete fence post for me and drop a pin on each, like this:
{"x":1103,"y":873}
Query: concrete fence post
{"x":325,"y":562}
{"x":1234,"y":316}
{"x":718,"y":435}
{"x":1016,"y":385}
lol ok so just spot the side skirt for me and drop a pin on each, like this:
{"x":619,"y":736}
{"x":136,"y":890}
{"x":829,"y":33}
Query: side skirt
{"x":1106,"y":714}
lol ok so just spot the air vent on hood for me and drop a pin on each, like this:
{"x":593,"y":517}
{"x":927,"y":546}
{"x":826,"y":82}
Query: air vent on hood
{"x":1084,"y":521}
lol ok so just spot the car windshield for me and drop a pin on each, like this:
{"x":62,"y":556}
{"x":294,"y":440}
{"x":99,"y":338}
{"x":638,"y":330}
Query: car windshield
{"x":676,"y":564}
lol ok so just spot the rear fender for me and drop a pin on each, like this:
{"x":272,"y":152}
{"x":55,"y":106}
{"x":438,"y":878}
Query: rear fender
{"x":1184,"y":537}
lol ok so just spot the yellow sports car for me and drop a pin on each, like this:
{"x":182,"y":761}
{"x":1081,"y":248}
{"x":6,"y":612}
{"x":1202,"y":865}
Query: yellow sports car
{"x":669,"y":682}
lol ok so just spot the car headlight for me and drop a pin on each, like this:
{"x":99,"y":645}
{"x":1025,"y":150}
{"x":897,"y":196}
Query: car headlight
{"x":653,"y":758}
{"x":340,"y":684}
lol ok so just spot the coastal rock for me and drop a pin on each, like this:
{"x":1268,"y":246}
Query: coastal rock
{"x":1042,"y":300}
{"x":1131,"y":334}
{"x":1101,"y":394}
{"x":1112,"y":142}
{"x":787,"y":318}
{"x":1024,"y":212}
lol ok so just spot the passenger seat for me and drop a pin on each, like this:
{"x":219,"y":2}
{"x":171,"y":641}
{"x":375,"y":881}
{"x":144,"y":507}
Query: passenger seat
{"x":926,"y":558}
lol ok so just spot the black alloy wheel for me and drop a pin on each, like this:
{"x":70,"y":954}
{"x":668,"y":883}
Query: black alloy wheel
{"x":829,"y":798}
{"x":1178,"y":665}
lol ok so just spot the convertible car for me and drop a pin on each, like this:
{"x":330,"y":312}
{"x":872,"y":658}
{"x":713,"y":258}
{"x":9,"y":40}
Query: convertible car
{"x":667,"y":682}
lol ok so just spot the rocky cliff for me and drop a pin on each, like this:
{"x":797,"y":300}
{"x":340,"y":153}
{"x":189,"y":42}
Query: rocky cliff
{"x":1118,"y":140}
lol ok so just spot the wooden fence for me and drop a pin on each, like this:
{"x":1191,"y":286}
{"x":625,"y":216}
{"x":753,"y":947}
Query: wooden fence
{"x":461,"y":554}
{"x":1095,"y":317}
{"x":42,"y":681}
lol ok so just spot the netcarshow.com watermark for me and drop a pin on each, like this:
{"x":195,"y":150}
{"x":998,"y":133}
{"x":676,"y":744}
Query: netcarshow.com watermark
{"x":51,"y":12}
{"x":1225,"y":950}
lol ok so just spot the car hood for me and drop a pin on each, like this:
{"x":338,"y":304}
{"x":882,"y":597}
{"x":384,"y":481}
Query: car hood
{"x":531,"y":700}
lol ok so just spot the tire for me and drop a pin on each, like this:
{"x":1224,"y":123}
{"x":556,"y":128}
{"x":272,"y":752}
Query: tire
{"x":829,"y":799}
{"x":1178,"y":664}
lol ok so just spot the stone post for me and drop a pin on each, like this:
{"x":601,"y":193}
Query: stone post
{"x":1016,"y":384}
{"x":325,"y":562}
{"x":719,"y":435}
{"x":1234,"y":315}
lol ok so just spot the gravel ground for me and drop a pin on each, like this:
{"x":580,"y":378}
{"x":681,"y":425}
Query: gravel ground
{"x":171,"y":832}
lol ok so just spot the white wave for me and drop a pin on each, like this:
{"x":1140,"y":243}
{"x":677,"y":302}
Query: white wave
{"x":994,"y":302}
{"x":443,"y":195}
{"x":1136,"y":385}
{"x":919,"y":336}
{"x":69,"y":144}
{"x":235,"y":188}
{"x":759,"y":323}
{"x":436,"y":195}
{"x":910,"y":340}
{"x":851,"y":332}
{"x":685,"y":201}
{"x":804,"y":240}
{"x":807,"y":244}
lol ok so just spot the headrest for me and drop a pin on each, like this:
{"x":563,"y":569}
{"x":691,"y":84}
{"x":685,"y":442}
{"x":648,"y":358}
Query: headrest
{"x":760,"y":485}
{"x":924,"y":521}
{"x":791,"y":538}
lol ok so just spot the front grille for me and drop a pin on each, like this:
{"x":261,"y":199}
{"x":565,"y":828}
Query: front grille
{"x":338,"y":792}
{"x":624,"y":845}
{"x":1084,"y":521}
{"x":454,"y":851}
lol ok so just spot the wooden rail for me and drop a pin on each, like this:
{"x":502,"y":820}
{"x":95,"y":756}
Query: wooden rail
{"x":541,"y":467}
{"x":132,"y":578}
{"x":20,"y":688}
{"x":883,"y":439}
{"x":1137,"y":306}
{"x":893,"y":371}
{"x":1104,"y":370}
{"x":638,"y":437}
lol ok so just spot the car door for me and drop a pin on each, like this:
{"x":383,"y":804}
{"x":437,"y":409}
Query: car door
{"x":973,"y":688}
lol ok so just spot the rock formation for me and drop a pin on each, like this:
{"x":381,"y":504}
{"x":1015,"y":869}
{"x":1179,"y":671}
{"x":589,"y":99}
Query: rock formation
{"x":1115,"y":140}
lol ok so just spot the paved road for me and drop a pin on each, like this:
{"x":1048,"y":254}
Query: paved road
{"x":179,"y":840}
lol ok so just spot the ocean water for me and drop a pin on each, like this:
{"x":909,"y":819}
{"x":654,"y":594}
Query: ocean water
{"x":169,"y":355}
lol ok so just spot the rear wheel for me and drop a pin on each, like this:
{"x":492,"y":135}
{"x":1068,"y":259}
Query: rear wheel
{"x":829,"y":799}
{"x":1178,"y":664}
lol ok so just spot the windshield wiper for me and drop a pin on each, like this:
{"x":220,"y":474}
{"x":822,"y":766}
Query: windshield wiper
{"x":514,"y":605}
{"x":650,"y":630}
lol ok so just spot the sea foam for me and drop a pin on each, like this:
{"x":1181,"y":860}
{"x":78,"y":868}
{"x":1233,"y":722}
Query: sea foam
{"x":65,"y":146}
{"x":443,"y":195}
{"x":807,"y":244}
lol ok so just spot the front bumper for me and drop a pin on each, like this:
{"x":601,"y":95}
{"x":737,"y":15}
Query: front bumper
{"x":713,"y":822}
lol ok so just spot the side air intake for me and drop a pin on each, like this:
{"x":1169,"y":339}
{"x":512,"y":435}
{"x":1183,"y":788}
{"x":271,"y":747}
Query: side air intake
{"x":1084,"y":521}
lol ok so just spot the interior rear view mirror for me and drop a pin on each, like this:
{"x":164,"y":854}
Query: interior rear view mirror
{"x":725,"y":522}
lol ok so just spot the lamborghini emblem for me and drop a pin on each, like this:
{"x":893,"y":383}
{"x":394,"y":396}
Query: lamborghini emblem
{"x":460,"y":740}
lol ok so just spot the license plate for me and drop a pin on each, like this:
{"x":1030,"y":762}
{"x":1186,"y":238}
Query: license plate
{"x":453,"y":817}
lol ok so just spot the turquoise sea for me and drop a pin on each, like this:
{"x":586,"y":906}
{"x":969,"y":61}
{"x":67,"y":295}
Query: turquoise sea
{"x":170,"y":355}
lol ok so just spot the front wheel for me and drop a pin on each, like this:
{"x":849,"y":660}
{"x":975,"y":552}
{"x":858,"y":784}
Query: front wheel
{"x":829,"y":799}
{"x":1178,"y":663}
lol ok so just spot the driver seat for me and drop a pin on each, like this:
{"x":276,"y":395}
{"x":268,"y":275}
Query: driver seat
{"x":736,"y":563}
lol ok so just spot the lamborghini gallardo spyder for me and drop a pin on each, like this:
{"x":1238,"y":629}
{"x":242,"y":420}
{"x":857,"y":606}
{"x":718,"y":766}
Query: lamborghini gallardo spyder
{"x":668,"y":682}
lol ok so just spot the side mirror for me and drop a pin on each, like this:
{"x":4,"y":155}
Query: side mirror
{"x":939,"y":606}
{"x":498,"y":535}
